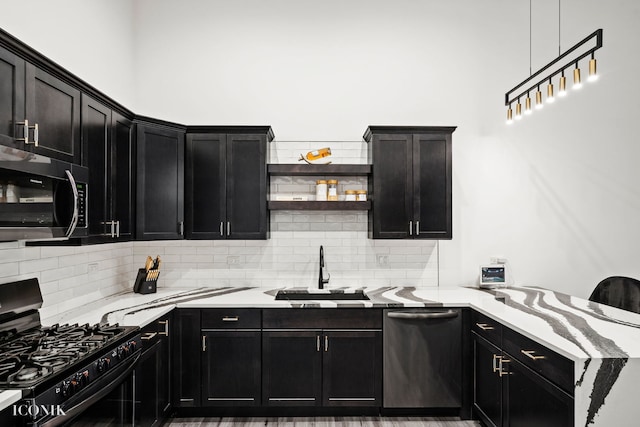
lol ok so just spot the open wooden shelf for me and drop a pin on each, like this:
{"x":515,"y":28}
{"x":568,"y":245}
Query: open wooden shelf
{"x":318,"y":206}
{"x":304,"y":169}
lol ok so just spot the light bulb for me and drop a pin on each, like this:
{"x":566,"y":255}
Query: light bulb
{"x":527,"y":105}
{"x":577,"y":82}
{"x":593,"y":75}
{"x":539,"y":103}
{"x":550,"y":98}
{"x":563,"y":86}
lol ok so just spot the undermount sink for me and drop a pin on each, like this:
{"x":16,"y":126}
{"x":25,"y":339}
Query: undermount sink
{"x":321,"y":294}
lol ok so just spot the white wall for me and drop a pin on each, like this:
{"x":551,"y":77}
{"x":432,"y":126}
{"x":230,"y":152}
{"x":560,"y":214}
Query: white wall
{"x":557,"y":194}
{"x":92,"y":39}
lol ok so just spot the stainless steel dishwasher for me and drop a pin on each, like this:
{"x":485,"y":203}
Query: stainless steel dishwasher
{"x":422,"y":358}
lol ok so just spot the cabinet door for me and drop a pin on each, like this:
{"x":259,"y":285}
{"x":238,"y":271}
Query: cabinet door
{"x":291,"y":368}
{"x":96,"y":137}
{"x":55,"y":107}
{"x":432,"y":185}
{"x":391,"y":193}
{"x":160,"y":193}
{"x":164,"y":367}
{"x":12,"y":78}
{"x":352,"y":368}
{"x":122,"y":176}
{"x":147,"y":378}
{"x":532,"y":401}
{"x":231,"y":368}
{"x":487,"y":394}
{"x":185,"y":360}
{"x":205,"y":186}
{"x":247,"y":214}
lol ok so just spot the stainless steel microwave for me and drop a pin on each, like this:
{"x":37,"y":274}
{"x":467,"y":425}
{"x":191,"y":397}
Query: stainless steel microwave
{"x":41,"y":198}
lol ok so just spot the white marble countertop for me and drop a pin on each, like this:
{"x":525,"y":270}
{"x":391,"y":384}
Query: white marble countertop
{"x":603,"y":342}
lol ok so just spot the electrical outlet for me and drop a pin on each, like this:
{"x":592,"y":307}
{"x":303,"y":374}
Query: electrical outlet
{"x":383,"y":259}
{"x":92,"y":267}
{"x":233,"y":260}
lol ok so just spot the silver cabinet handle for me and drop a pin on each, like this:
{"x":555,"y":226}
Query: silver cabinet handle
{"x":230,"y":318}
{"x":501,"y":371}
{"x":204,"y":343}
{"x":117,"y":228}
{"x":326,"y":343}
{"x":495,"y":365}
{"x":181,"y":223}
{"x":221,"y":228}
{"x":410,"y":228}
{"x":228,"y":228}
{"x":25,"y":131}
{"x":485,"y":326}
{"x":113,"y":229}
{"x":148,"y":336}
{"x":74,"y":217}
{"x":417,"y":228}
{"x":35,"y":134}
{"x":317,"y":342}
{"x":411,"y":315}
{"x":530,"y":354}
{"x":166,"y":327}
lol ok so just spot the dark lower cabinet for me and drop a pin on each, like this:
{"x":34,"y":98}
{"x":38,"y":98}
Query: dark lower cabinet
{"x":533,"y":401}
{"x":231,"y":368}
{"x":186,"y":352}
{"x":488,"y":382}
{"x":352,"y":370}
{"x":518,"y":388}
{"x":292,"y":368}
{"x":152,"y":375}
{"x":159,"y":182}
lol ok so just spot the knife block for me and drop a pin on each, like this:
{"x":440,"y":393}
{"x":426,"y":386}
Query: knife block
{"x":142,"y":285}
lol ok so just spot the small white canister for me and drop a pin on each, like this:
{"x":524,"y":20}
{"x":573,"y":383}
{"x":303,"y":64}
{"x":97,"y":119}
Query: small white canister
{"x":321,"y":190}
{"x":361,"y":195}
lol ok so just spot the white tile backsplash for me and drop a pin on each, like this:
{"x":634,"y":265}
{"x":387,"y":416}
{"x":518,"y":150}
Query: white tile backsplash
{"x":289,"y":258}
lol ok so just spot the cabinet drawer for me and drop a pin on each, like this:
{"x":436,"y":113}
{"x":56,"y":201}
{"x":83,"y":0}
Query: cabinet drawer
{"x":231,"y":318}
{"x":551,"y":365}
{"x":489,"y":329}
{"x":322,"y":318}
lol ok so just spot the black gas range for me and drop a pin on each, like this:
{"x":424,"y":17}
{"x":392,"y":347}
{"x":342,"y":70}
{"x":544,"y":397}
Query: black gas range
{"x":61,"y":369}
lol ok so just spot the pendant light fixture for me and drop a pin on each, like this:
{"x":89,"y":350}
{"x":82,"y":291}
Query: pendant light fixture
{"x":554,"y":70}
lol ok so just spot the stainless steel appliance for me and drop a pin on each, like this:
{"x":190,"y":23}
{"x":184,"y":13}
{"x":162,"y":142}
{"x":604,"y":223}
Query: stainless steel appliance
{"x":65,"y":372}
{"x":41,"y":198}
{"x":422,"y":362}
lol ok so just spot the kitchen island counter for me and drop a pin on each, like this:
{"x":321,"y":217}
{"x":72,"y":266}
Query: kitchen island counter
{"x":602,"y":341}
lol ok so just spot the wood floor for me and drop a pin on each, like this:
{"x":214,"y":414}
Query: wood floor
{"x":322,"y":422}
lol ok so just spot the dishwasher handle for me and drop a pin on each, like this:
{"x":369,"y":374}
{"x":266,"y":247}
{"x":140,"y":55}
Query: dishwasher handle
{"x":413,"y":315}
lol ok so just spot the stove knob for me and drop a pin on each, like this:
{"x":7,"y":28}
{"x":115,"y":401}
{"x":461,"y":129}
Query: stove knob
{"x":83,"y":378}
{"x":66,"y":389}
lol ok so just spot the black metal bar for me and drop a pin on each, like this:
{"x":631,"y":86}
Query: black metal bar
{"x":597,"y":34}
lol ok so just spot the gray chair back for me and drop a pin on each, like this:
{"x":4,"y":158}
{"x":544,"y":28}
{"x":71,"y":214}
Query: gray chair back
{"x":618,"y":291}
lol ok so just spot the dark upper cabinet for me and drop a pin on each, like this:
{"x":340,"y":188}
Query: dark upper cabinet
{"x":411,"y":180}
{"x":107,"y":139}
{"x":54,"y":107}
{"x":12,"y":96}
{"x":159,"y":182}
{"x":226,"y":183}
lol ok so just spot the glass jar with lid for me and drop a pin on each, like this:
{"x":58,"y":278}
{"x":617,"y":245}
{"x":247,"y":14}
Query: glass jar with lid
{"x":350,"y":195}
{"x":321,"y":190}
{"x":332,"y":189}
{"x":361,"y":195}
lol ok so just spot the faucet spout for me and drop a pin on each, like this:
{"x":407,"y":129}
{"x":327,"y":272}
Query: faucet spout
{"x":321,"y":280}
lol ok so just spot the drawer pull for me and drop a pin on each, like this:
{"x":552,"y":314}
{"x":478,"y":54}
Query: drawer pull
{"x":166,"y":327}
{"x":495,"y":365}
{"x":230,"y":318}
{"x":501,"y":371}
{"x":148,"y":336}
{"x":485,"y":326}
{"x":412,"y":315}
{"x":530,"y":354}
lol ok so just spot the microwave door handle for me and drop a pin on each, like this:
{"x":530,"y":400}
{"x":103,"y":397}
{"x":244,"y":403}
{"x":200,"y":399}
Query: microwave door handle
{"x":74,"y":217}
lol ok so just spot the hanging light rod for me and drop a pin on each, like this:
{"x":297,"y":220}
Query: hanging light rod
{"x":543,"y":75}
